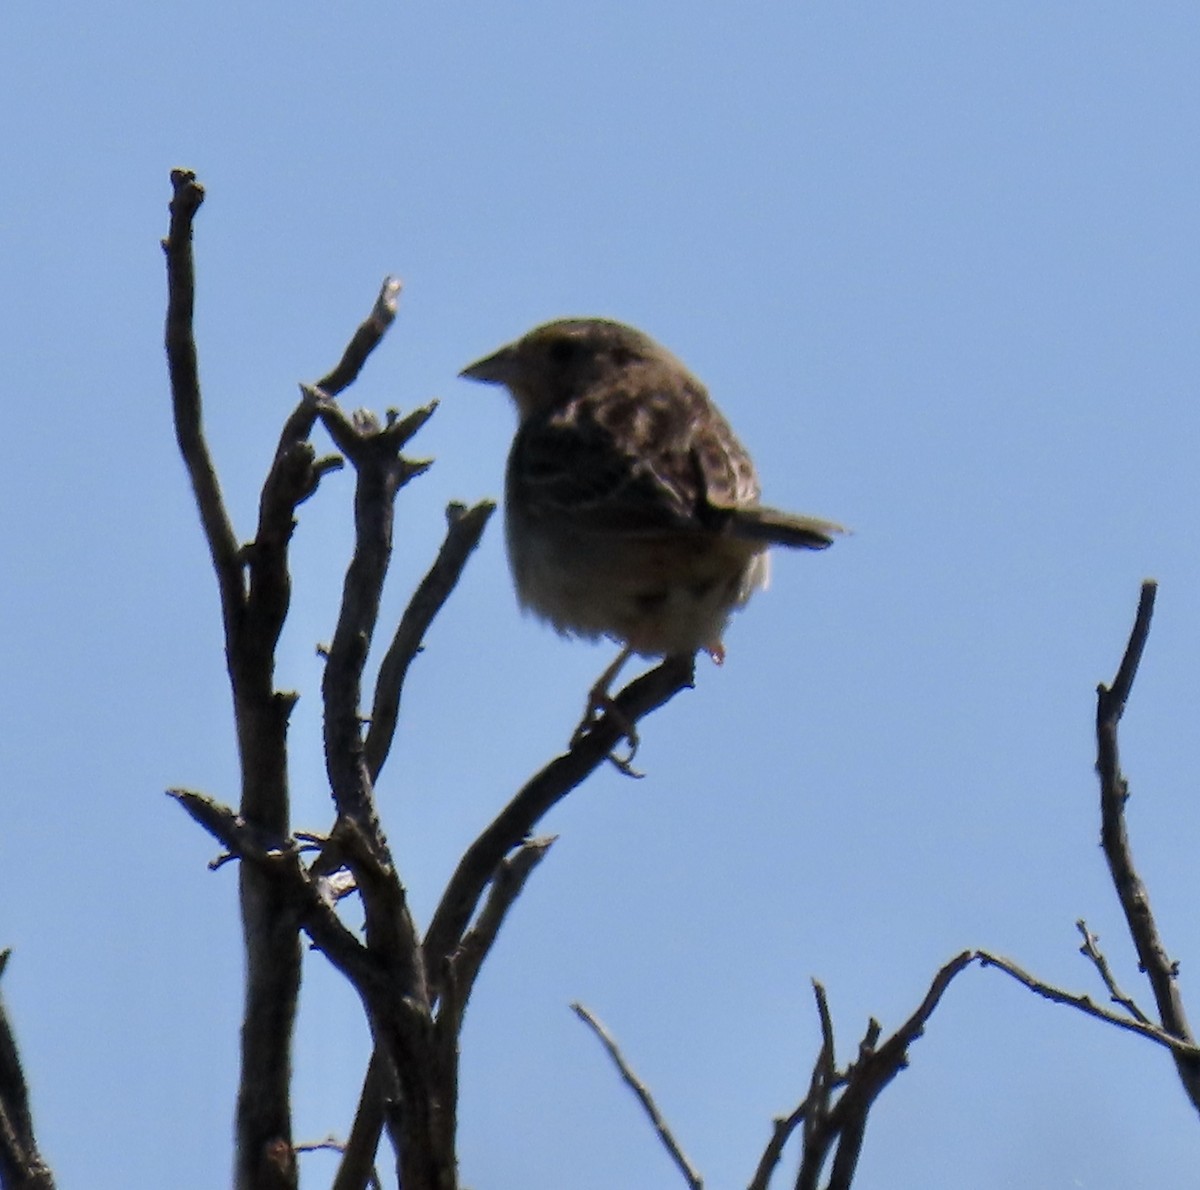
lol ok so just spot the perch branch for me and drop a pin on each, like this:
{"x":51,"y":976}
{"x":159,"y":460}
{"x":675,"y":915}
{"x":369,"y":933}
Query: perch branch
{"x":821,"y":1086}
{"x":381,"y":472}
{"x":517,"y":820}
{"x":781,"y":1132}
{"x":461,"y":972}
{"x":366,"y":338}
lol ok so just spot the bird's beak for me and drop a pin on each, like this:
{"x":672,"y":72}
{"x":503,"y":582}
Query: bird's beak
{"x":497,"y":368}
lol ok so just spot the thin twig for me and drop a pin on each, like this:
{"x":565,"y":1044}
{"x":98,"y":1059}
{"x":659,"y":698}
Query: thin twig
{"x":1087,"y":1005}
{"x":644,"y":1097}
{"x":817,"y":1134}
{"x":1090,"y":949}
{"x":331,"y":1144}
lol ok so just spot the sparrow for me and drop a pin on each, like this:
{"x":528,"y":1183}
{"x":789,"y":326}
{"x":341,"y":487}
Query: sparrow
{"x":631,"y":509}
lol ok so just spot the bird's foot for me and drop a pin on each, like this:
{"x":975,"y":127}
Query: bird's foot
{"x":601,"y":705}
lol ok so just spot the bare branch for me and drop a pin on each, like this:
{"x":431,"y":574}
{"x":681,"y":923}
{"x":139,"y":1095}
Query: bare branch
{"x":465,"y":528}
{"x":824,"y":1081}
{"x":21,"y":1164}
{"x":365,"y":340}
{"x":239,"y":838}
{"x":1116,"y":696}
{"x":506,"y":886}
{"x":279,"y":860}
{"x":1090,"y":949}
{"x":252,"y":614}
{"x":1085,"y":1004}
{"x":781,"y":1132}
{"x":845,"y":1121}
{"x":185,"y":393}
{"x":644,"y":1097}
{"x":331,"y":1144}
{"x":1161,"y":971}
{"x":357,"y":1168}
{"x":519,"y":818}
{"x":398,"y":1006}
{"x":381,"y":472}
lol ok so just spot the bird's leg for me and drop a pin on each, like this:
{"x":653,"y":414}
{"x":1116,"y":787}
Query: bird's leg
{"x":601,"y":702}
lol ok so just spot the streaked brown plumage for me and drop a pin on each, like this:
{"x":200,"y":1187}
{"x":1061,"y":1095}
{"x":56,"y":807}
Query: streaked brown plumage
{"x":632,"y":509}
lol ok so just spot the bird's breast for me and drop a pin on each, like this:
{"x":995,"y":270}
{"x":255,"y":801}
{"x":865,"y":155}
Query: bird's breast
{"x":658,"y":593}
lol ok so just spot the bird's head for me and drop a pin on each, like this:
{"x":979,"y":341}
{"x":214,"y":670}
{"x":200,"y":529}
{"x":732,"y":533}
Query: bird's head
{"x":558,"y":361}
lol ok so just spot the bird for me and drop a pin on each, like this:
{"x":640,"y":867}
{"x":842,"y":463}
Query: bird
{"x":632,"y":510}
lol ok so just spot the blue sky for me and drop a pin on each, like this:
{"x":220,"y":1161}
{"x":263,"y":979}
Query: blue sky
{"x":937,"y":262}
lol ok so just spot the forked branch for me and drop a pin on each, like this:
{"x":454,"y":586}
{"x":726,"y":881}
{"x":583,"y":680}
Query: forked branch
{"x":1172,"y":1029}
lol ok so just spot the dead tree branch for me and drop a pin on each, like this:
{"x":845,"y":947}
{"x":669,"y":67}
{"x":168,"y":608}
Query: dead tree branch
{"x":21,"y":1165}
{"x":364,"y":340}
{"x":1172,"y":1030}
{"x":833,"y":1113}
{"x":509,"y":829}
{"x":398,"y":1007}
{"x":185,"y":387}
{"x":1161,"y":971}
{"x":331,"y":1144}
{"x":414,"y":993}
{"x":465,"y":527}
{"x":639,"y":1088}
{"x":255,"y":591}
{"x":838,"y":1126}
{"x":1090,"y":949}
{"x":253,"y":612}
{"x":357,"y":1167}
{"x":1085,"y":1004}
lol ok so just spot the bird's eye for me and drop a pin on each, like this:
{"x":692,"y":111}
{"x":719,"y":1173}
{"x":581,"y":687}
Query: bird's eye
{"x":562,"y":351}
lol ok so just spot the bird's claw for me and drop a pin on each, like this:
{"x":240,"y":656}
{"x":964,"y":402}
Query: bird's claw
{"x":602,"y":705}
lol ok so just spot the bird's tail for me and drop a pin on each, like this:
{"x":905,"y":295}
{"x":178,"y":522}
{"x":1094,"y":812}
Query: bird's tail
{"x":783,"y":528}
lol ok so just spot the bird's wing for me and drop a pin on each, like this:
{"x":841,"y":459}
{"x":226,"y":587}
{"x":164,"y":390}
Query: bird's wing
{"x":635,"y":457}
